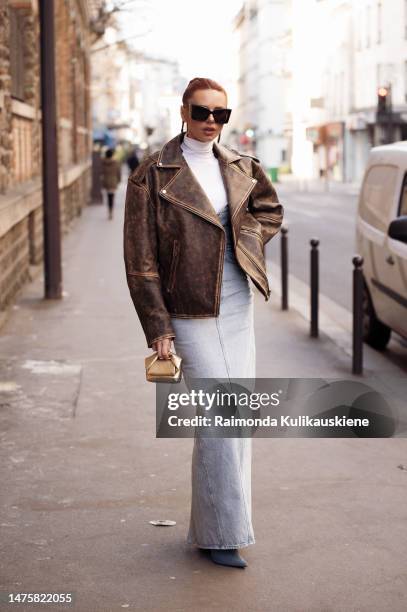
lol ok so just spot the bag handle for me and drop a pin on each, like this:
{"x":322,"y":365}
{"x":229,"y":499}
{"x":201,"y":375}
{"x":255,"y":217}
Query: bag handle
{"x":171,"y":358}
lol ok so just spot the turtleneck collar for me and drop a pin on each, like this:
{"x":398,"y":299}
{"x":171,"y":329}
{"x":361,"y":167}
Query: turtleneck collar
{"x":197,"y":146}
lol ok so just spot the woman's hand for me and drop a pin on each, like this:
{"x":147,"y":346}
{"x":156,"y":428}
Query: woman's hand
{"x":162,"y":347}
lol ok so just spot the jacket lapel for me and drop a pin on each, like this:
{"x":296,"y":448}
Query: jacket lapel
{"x":185,"y":190}
{"x":238,"y":186}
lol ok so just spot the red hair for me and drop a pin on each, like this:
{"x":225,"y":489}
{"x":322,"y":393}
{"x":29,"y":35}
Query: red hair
{"x":200,"y":83}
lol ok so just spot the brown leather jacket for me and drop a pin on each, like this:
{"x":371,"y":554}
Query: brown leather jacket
{"x":174,"y":241}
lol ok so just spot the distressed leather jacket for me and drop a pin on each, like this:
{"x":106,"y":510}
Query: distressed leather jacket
{"x":174,"y":242}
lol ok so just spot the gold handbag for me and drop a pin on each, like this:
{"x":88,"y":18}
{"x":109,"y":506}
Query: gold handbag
{"x":163,"y":370}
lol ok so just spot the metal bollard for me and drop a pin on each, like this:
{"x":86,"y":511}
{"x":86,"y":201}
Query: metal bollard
{"x":357,"y":353}
{"x":284,"y":268}
{"x":314,"y":286}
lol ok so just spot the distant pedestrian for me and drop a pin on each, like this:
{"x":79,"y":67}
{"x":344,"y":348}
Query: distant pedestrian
{"x":133,"y":160}
{"x":111,"y":176}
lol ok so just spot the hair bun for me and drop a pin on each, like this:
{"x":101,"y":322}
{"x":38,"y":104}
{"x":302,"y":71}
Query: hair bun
{"x":200,"y":83}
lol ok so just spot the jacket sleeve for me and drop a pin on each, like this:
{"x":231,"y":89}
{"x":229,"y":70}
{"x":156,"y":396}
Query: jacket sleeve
{"x":264,"y":204}
{"x":140,"y":258}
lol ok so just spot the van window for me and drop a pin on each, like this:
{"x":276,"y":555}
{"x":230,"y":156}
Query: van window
{"x":377,"y":195}
{"x":403,"y":198}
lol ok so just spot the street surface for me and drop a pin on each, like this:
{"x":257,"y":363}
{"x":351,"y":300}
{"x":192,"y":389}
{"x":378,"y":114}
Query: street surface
{"x":330,"y":217}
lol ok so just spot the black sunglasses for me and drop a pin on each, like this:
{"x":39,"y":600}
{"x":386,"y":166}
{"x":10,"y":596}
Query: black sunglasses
{"x":201,"y":113}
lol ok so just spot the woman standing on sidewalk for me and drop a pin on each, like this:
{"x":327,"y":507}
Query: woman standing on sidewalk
{"x":111,"y":176}
{"x":197,"y":217}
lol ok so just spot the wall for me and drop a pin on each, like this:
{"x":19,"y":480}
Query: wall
{"x":21,"y":231}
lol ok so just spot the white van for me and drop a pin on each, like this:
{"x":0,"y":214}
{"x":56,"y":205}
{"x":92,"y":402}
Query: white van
{"x":381,"y":239}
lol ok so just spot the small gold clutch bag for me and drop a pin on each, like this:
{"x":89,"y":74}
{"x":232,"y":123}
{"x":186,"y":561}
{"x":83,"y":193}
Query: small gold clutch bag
{"x":163,"y":370}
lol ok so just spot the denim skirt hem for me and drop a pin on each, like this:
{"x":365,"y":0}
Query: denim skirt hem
{"x":220,"y":547}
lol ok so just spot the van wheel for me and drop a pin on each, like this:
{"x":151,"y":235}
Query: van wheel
{"x":375,"y":333}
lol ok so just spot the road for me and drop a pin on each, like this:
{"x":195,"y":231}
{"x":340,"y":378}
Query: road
{"x":330,"y":217}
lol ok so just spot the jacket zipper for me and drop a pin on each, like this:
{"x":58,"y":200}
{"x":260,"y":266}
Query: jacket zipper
{"x":171,"y":280}
{"x":267,"y":217}
{"x":220,"y":272}
{"x":246,"y":252}
{"x":253,"y":232}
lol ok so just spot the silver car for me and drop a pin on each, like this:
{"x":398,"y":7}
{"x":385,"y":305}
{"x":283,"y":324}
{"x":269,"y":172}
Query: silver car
{"x":381,"y":238}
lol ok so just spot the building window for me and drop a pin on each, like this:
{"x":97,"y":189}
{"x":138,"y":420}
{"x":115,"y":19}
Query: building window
{"x":17,"y":63}
{"x":405,"y":80}
{"x":343,"y":93}
{"x":368,"y":26}
{"x":359,"y":31}
{"x":379,"y":22}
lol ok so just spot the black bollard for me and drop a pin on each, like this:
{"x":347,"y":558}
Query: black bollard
{"x":284,"y":268}
{"x":314,"y":285}
{"x":357,"y":354}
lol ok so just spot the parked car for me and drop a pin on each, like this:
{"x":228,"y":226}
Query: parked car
{"x":381,"y":239}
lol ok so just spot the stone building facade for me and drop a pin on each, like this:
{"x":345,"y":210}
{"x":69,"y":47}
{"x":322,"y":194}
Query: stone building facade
{"x":21,"y":221}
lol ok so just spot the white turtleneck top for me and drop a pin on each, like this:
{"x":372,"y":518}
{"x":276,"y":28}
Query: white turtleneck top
{"x":205,"y":166}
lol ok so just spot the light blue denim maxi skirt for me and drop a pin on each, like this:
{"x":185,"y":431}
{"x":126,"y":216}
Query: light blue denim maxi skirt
{"x":221,"y":347}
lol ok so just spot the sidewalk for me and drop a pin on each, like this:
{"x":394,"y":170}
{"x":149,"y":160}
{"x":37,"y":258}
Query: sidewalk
{"x":83,"y":474}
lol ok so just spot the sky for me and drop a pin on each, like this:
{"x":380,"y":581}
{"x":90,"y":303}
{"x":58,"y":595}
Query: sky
{"x":199,"y":35}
